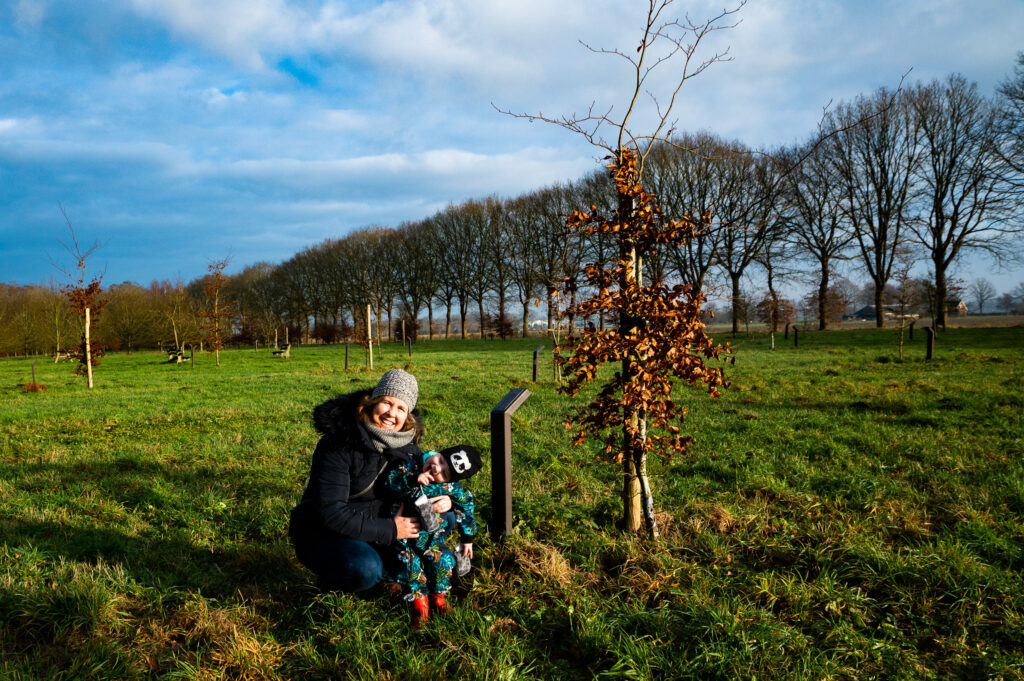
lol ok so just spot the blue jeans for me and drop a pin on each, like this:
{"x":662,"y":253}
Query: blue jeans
{"x":350,"y":565}
{"x":343,"y":564}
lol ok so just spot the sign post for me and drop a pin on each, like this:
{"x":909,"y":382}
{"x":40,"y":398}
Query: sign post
{"x":501,"y":461}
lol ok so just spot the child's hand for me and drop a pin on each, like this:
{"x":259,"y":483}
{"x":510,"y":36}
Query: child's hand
{"x":424,"y":478}
{"x":467,"y":549}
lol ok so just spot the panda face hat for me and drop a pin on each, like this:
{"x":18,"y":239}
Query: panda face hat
{"x":463,"y":461}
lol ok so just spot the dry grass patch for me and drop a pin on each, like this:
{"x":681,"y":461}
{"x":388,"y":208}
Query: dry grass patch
{"x":213,"y":643}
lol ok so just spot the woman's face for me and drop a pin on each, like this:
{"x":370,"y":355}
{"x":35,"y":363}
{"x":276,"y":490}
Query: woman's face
{"x":390,"y":413}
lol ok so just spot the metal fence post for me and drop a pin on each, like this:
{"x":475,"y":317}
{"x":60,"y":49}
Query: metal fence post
{"x":796,"y":337}
{"x":539,"y":348}
{"x":501,"y":461}
{"x":931,"y":342}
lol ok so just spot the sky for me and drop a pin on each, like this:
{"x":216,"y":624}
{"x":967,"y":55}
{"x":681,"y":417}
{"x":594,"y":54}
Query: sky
{"x":174,"y":133}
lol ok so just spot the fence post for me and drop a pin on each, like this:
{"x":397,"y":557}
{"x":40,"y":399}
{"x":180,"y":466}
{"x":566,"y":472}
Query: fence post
{"x":369,"y":339}
{"x":796,"y":337}
{"x":346,"y":355}
{"x":931,"y":342}
{"x":787,"y":329}
{"x":501,"y":461}
{"x":912,"y":322}
{"x":539,"y":348}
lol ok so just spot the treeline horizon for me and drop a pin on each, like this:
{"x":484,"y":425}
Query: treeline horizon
{"x":925,"y":174}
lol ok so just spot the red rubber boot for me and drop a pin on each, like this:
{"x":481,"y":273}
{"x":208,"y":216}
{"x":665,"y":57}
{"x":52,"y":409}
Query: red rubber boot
{"x":440,"y":604}
{"x":420,"y":611}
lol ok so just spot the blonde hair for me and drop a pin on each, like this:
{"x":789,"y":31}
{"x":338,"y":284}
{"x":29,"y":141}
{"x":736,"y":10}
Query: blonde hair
{"x":364,"y":412}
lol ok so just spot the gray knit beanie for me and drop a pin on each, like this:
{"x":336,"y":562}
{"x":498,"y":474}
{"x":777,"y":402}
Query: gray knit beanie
{"x":400,"y":384}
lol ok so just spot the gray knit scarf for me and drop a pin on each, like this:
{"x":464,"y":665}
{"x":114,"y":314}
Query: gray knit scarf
{"x":388,"y":439}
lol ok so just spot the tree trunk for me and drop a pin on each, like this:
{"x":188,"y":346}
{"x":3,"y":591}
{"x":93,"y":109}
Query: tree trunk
{"x":448,"y":320}
{"x":632,"y":460}
{"x":480,"y":307}
{"x":879,"y":311}
{"x":526,"y":319}
{"x":430,"y":321}
{"x":501,"y":308}
{"x":735,"y":303}
{"x":823,"y":299}
{"x":940,"y":294}
{"x":572,"y":317}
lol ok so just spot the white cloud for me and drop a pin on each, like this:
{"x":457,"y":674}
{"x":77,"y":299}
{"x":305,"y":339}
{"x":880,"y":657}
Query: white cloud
{"x":242,"y":30}
{"x":29,"y":13}
{"x":454,"y":173}
{"x":216,"y":97}
{"x":341,"y":119}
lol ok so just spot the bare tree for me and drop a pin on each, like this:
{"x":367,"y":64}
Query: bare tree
{"x":817,"y":228}
{"x":1011,"y":124}
{"x":418,"y":276}
{"x":520,"y":220}
{"x":260,"y":301}
{"x":748,"y":216}
{"x":687,"y":177}
{"x":873,"y":143}
{"x":129,"y":319}
{"x":456,"y":251}
{"x":982,"y":291}
{"x":964,"y":203}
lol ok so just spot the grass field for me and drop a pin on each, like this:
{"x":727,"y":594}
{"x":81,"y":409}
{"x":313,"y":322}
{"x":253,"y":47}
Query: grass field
{"x":842,"y":515}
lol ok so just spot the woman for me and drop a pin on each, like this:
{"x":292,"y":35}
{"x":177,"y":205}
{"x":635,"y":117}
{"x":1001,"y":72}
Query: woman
{"x":343,"y":523}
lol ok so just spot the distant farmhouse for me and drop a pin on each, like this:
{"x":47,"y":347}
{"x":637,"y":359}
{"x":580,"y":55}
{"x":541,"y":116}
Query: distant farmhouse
{"x":954,"y":307}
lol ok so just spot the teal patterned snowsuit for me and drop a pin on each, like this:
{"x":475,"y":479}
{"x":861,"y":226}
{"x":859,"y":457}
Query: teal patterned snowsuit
{"x":427,"y":561}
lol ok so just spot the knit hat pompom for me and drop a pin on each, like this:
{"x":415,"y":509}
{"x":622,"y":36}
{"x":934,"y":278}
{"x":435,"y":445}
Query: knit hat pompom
{"x":400,"y":384}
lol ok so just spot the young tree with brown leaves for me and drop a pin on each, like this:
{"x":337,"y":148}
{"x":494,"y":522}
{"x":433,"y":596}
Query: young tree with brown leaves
{"x":215,"y":319}
{"x":660,"y":333}
{"x":660,"y":339}
{"x":86,"y":300}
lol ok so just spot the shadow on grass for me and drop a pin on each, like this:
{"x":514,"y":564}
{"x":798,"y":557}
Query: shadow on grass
{"x":218,"y":530}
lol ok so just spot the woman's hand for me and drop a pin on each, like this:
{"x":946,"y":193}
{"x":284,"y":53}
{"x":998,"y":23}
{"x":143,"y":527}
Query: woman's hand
{"x":405,"y":527}
{"x":442,"y":504}
{"x":467,"y":549}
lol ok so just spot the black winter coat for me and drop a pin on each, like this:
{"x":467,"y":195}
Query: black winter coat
{"x":346,"y":495}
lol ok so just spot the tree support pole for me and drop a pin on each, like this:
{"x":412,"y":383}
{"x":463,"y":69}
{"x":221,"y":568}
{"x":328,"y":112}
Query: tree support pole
{"x":88,"y":348}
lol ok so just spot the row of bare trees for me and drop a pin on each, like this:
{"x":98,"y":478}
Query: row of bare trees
{"x":922,"y":174}
{"x":925,"y":174}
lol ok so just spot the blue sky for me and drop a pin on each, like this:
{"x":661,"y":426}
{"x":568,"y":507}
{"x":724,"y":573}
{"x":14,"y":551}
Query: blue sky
{"x":178,"y":132}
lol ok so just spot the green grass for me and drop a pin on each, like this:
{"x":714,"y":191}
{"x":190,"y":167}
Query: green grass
{"x":842,"y":515}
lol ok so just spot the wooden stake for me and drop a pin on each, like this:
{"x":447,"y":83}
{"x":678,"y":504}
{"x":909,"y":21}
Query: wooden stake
{"x":88,"y":349}
{"x":369,"y":338}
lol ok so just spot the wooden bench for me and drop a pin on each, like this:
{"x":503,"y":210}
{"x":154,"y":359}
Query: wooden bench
{"x":285,"y":351}
{"x":60,"y":355}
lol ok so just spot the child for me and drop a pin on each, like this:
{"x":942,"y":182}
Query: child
{"x":427,"y":562}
